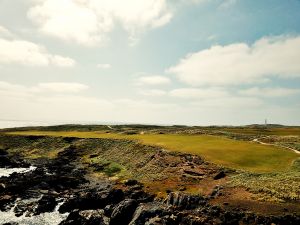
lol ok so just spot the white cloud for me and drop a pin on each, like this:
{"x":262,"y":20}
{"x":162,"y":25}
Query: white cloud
{"x":152,"y":80}
{"x":60,"y":87}
{"x":5,"y":33}
{"x":61,"y":61}
{"x":21,"y":91}
{"x":8,"y":86}
{"x":103,"y":66}
{"x":13,"y":90}
{"x":88,"y":22}
{"x":240,"y":63}
{"x":187,"y":93}
{"x":26,"y":53}
{"x":232,"y":102}
{"x":153,"y":92}
{"x":194,"y":93}
{"x":269,"y":92}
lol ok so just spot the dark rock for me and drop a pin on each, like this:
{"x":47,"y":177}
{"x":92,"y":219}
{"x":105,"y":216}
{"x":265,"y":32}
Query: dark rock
{"x":72,"y":218}
{"x":220,"y":175}
{"x":147,"y":211}
{"x":86,"y":217}
{"x":26,"y":208}
{"x":136,"y":187}
{"x":233,"y":218}
{"x":123,"y":212}
{"x":92,"y":199}
{"x":83,"y":202}
{"x":2,"y":187}
{"x":131,"y":182}
{"x":3,"y":152}
{"x":5,"y":199}
{"x":169,"y":219}
{"x":214,"y":210}
{"x":185,"y":201}
{"x":108,"y":210}
{"x":141,"y":196}
{"x":20,"y":209}
{"x":45,"y":204}
{"x":197,"y":220}
{"x":5,"y":161}
{"x":115,"y":196}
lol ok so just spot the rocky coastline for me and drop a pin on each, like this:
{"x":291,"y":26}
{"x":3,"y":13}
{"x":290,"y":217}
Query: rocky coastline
{"x":60,"y":185}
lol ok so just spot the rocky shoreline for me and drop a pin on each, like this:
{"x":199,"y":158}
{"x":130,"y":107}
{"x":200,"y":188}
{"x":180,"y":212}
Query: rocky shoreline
{"x":60,"y":185}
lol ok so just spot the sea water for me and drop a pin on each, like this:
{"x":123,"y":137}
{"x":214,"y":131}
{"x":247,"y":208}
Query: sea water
{"x":49,"y":218}
{"x":5,"y":172}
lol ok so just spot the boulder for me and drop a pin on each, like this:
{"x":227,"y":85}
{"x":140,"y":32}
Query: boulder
{"x":122,"y":214}
{"x":5,"y":199}
{"x":219,"y":175}
{"x":45,"y":204}
{"x":131,"y":182}
{"x":86,"y":217}
{"x":185,"y":201}
{"x":108,"y":210}
{"x":20,"y":209}
{"x":146,"y":211}
{"x":5,"y":161}
{"x":140,"y":195}
{"x":92,"y":199}
{"x":3,"y":152}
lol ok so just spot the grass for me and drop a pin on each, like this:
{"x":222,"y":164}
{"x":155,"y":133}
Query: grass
{"x":37,"y":153}
{"x":275,"y":187}
{"x":220,"y":150}
{"x":284,"y":131}
{"x":108,"y":167}
{"x":278,"y":187}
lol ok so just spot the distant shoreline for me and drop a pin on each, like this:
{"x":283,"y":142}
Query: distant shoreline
{"x":27,"y":123}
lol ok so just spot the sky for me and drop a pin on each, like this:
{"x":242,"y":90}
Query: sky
{"x":188,"y":62}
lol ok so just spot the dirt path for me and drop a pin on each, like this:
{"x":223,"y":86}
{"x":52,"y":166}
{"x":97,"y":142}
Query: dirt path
{"x":264,"y":143}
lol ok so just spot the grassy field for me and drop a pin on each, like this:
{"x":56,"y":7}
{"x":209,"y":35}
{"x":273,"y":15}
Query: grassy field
{"x":283,"y":131}
{"x":220,"y":150}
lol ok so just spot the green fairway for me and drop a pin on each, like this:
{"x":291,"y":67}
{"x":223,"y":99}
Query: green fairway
{"x":220,"y":150}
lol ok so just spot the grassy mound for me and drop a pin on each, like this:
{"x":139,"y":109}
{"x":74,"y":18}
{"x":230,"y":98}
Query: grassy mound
{"x":220,"y":150}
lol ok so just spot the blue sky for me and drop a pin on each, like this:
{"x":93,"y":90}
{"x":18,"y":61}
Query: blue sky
{"x":195,"y":62}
